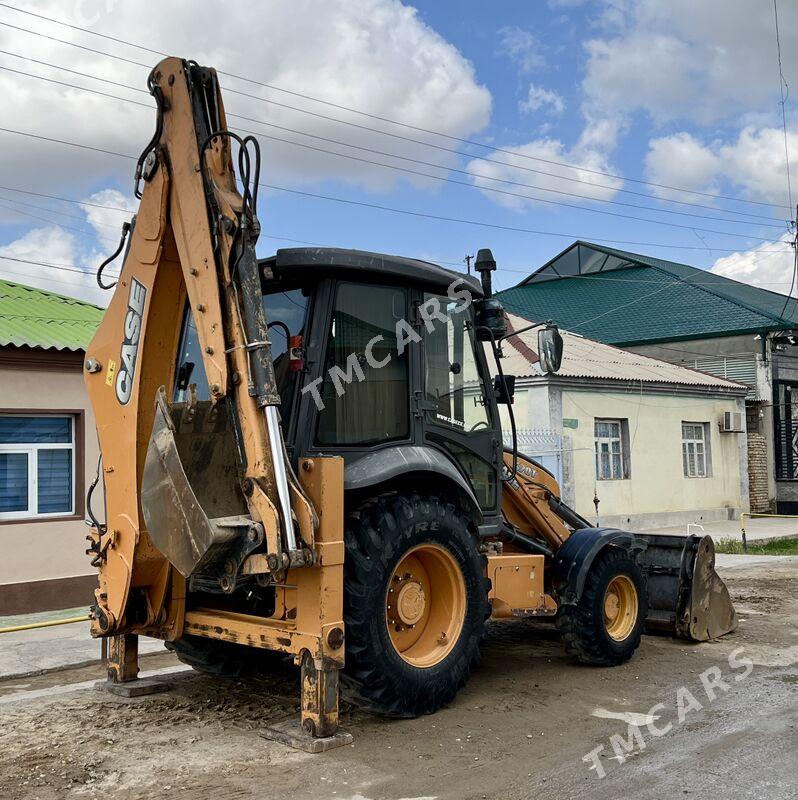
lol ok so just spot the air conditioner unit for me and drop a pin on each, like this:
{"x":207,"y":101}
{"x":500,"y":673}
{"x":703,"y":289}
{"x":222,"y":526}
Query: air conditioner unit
{"x":732,"y":422}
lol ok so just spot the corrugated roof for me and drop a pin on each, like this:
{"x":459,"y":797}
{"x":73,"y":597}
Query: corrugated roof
{"x":585,"y":358}
{"x":35,"y":318}
{"x":643,"y":299}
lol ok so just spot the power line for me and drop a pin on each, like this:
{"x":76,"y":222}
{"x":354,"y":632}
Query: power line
{"x":782,"y":85}
{"x":511,"y":194}
{"x":521,"y":183}
{"x":418,"y":172}
{"x":435,"y":177}
{"x":148,"y":106}
{"x":66,"y":199}
{"x":502,"y":267}
{"x":391,"y":209}
{"x":358,"y":111}
{"x":42,"y":219}
{"x":50,"y":265}
{"x":28,"y":276}
{"x":60,"y":213}
{"x":480,"y":223}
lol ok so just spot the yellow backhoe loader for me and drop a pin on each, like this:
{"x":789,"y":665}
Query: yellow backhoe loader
{"x":304,"y":454}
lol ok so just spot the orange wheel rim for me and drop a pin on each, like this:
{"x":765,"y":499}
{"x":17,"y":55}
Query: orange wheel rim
{"x":620,"y":608}
{"x":425,"y":605}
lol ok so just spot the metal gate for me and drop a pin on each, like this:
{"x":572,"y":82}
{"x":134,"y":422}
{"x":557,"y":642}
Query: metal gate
{"x":542,"y":444}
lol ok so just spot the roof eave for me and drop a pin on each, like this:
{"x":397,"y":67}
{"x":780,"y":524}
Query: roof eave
{"x":615,"y":384}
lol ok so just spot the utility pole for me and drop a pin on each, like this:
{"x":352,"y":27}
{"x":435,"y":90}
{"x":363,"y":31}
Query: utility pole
{"x":468,"y":260}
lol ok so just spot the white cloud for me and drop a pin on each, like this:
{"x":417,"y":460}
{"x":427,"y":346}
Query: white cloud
{"x":761,"y":266}
{"x":51,"y":246}
{"x":681,"y":160}
{"x":704,"y":61}
{"x":756,"y":162}
{"x":753,"y":163}
{"x":107,"y":222}
{"x":538,"y":98}
{"x":522,"y":47}
{"x":375,"y":55}
{"x":581,"y":156}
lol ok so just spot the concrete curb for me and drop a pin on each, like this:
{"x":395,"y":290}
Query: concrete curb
{"x":66,"y":667}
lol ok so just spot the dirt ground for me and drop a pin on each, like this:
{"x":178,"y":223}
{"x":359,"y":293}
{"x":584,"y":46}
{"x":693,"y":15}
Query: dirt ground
{"x":522,"y":728}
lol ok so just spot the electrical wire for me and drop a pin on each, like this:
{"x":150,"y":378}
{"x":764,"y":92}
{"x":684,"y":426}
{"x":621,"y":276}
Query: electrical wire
{"x":66,"y":267}
{"x":363,"y":113}
{"x":388,"y":154}
{"x":66,"y":199}
{"x":519,"y":270}
{"x":444,"y":179}
{"x":31,"y":215}
{"x":782,"y":85}
{"x":378,"y":117}
{"x":59,"y":213}
{"x":390,"y":209}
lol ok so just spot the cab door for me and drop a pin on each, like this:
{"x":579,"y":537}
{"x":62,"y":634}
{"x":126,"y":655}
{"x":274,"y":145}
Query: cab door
{"x":455,"y":404}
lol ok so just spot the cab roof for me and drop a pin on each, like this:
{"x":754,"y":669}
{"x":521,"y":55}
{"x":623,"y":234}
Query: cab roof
{"x":360,"y":265}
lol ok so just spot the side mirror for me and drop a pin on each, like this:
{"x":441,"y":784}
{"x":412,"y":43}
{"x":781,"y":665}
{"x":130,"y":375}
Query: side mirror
{"x":550,"y":346}
{"x":505,"y":398}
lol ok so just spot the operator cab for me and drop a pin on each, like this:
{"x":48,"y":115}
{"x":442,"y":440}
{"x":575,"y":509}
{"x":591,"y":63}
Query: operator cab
{"x":390,"y":365}
{"x":377,"y":359}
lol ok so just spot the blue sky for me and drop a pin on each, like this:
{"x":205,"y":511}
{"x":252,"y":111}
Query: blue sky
{"x":683,"y":94}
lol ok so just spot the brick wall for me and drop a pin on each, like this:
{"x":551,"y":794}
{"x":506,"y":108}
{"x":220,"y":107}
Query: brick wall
{"x":758,"y":473}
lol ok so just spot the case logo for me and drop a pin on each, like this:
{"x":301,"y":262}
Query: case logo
{"x":130,"y":346}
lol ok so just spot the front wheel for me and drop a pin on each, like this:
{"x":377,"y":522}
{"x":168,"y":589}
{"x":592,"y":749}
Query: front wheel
{"x":415,"y":604}
{"x":606,"y":625}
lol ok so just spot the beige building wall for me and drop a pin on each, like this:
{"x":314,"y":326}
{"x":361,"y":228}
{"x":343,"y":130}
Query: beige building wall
{"x":49,"y":550}
{"x":656,"y":489}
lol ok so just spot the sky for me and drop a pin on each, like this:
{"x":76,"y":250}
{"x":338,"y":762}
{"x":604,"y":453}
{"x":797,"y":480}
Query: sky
{"x":520,"y":126}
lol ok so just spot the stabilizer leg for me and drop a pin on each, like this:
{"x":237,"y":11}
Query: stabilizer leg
{"x":123,"y":669}
{"x":317,"y":729}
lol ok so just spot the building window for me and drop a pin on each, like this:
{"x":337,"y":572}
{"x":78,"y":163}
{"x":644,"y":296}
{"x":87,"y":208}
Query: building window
{"x":37,"y":466}
{"x":612,"y":449}
{"x":695,"y":449}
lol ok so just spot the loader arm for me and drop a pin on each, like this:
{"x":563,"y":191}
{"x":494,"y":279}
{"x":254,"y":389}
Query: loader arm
{"x":192,"y":242}
{"x":686,"y":596}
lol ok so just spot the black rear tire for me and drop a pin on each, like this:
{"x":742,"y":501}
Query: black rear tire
{"x":378,"y":535}
{"x":214,"y":657}
{"x":225,"y":659}
{"x":583,"y":627}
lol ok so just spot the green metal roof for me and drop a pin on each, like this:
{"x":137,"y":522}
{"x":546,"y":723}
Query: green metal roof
{"x":625,"y":298}
{"x":35,"y":318}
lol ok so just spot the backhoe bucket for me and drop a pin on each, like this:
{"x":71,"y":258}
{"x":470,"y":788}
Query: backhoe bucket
{"x":686,"y":597}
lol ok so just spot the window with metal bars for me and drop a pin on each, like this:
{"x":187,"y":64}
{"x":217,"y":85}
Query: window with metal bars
{"x":695,"y":449}
{"x":612,"y":460}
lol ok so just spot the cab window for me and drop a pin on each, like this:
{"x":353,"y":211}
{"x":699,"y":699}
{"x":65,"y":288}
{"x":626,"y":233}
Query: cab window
{"x":452,"y":380}
{"x":365,"y":392}
{"x":190,"y":368}
{"x":285,"y":315}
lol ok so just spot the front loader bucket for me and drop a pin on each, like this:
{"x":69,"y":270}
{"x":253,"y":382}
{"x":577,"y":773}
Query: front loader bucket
{"x":686,"y":597}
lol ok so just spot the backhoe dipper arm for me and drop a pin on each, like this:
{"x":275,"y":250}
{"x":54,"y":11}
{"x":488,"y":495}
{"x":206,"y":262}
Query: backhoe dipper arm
{"x":194,"y":236}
